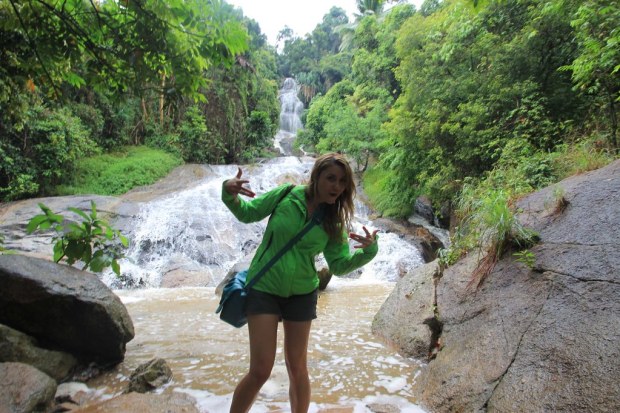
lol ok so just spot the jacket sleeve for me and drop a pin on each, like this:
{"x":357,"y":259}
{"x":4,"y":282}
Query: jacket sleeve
{"x":341,"y":261}
{"x":256,"y":209}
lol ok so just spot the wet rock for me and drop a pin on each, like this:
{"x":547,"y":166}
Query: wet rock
{"x":540,"y":338}
{"x":424,"y":240}
{"x":151,"y":403}
{"x":149,"y":376}
{"x":24,"y":389}
{"x":16,"y":346}
{"x":241,"y":265}
{"x":424,"y":208}
{"x":382,"y":408}
{"x":185,"y":278}
{"x":75,"y":392}
{"x":406,"y":320}
{"x":64,"y":308}
{"x":324,"y":277}
{"x":428,"y":243}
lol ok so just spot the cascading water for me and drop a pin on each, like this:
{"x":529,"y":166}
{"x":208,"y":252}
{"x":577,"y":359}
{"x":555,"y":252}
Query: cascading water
{"x":191,"y":237}
{"x":291,"y":109}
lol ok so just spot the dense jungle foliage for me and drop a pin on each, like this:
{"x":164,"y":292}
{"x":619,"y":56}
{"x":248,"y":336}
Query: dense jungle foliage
{"x":460,"y":97}
{"x":82,"y":79}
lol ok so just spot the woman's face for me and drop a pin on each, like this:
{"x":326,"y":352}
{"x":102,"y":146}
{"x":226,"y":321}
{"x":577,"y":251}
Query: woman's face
{"x":331,"y":184}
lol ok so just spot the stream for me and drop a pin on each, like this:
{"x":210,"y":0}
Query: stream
{"x":187,"y":240}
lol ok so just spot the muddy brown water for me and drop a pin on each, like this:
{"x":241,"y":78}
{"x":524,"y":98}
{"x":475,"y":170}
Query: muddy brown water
{"x":349,"y":367}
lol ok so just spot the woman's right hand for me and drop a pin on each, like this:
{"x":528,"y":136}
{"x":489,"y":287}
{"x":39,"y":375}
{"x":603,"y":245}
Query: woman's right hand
{"x":235,"y":186}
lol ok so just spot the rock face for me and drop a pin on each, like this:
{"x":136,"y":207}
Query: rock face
{"x":16,"y":346}
{"x":412,"y":299}
{"x":24,"y":389}
{"x":152,"y":403}
{"x":14,"y":217}
{"x":63,"y":308}
{"x":545,"y":338}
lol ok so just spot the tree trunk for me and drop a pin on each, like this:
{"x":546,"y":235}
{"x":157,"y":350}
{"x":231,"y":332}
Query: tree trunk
{"x":162,"y":100}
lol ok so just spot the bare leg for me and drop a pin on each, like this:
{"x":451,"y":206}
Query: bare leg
{"x":296,"y":335}
{"x":263,"y":330}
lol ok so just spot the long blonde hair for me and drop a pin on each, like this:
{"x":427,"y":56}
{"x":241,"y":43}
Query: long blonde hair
{"x":338,"y":215}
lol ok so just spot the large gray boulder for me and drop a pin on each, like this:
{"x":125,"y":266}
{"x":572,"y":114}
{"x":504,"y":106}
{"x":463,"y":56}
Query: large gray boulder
{"x":63,"y":308}
{"x":538,"y":339}
{"x":413,"y":298}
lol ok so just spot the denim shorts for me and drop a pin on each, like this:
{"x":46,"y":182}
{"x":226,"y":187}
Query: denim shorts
{"x":293,"y":308}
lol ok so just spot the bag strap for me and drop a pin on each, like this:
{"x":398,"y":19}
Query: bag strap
{"x":313,"y":221}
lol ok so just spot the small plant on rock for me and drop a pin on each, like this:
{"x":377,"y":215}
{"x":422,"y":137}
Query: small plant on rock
{"x":93,"y":241}
{"x":526,"y":257}
{"x":560,"y":202}
{"x":2,"y":249}
{"x":490,"y":226}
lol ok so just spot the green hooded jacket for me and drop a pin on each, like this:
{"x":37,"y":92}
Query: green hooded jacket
{"x":294,"y":273}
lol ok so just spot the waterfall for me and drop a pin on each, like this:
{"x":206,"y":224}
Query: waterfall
{"x":291,"y":109}
{"x":190,"y":238}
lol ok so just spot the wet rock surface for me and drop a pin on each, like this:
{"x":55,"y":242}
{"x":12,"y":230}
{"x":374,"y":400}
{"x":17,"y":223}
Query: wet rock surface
{"x":545,"y":338}
{"x":63,"y":308}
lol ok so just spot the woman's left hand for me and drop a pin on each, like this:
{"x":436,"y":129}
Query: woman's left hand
{"x":364,"y":240}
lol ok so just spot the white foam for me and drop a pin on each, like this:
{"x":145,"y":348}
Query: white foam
{"x":392,"y":384}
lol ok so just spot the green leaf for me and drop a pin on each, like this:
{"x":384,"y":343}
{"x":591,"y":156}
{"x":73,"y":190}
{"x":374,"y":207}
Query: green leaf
{"x":74,"y":251}
{"x":34,"y":223}
{"x":109,"y":234}
{"x":58,"y":251}
{"x":93,"y":208}
{"x":76,"y":230}
{"x":80,"y":213}
{"x":116,"y":268}
{"x":75,"y":80}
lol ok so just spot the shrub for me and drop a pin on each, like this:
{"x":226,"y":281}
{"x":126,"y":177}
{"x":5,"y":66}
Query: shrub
{"x":583,"y":156}
{"x":375,"y":182}
{"x":92,"y":119}
{"x":193,"y":138}
{"x":42,"y":152}
{"x":56,"y":141}
{"x":488,"y":225}
{"x":259,"y":129}
{"x":93,"y":241}
{"x":17,"y":174}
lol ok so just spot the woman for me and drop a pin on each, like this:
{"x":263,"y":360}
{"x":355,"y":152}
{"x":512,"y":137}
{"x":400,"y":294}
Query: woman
{"x":288,"y":292}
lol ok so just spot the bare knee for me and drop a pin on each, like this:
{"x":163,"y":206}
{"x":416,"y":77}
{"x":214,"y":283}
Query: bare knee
{"x":260,"y":374}
{"x":297,"y":370}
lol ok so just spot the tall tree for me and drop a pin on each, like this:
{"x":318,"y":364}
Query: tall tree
{"x":596,"y":70}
